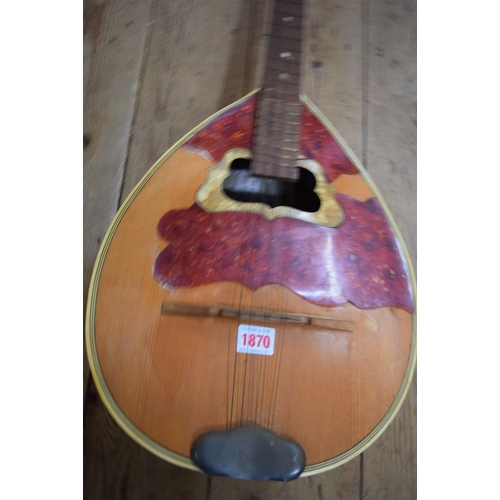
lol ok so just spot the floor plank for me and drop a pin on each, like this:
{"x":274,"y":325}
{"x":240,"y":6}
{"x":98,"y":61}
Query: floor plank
{"x":338,"y":484}
{"x":194,"y":68}
{"x":389,"y":466}
{"x":392,"y":111}
{"x":332,"y":67}
{"x":114,"y":36}
{"x":115,"y":467}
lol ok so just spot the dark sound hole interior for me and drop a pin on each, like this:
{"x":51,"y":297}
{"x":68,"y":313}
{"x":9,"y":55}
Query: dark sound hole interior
{"x":241,"y":185}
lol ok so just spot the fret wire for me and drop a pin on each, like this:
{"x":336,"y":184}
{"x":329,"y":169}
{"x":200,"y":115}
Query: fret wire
{"x":278,"y":59}
{"x":293,"y":84}
{"x":287,"y":14}
{"x":263,"y":118}
{"x":274,"y":73}
{"x":283,"y":131}
{"x":275,"y":160}
{"x":284,"y":60}
{"x":287,"y":38}
{"x":279,"y":91}
{"x":281,"y":66}
{"x":283,"y":135}
{"x":275,"y":109}
{"x":292,"y":102}
{"x":260,"y":110}
{"x":274,"y":79}
{"x":291,"y":150}
{"x":277,"y":70}
{"x":281,"y":101}
{"x":274,"y":120}
{"x":264,"y":145}
{"x":272,"y":152}
{"x":277,"y":145}
{"x":281,"y":112}
{"x":287,"y":26}
{"x":279,"y":83}
{"x":285,"y":47}
{"x":279,"y":138}
{"x":282,"y":157}
{"x":289,"y":128}
{"x":274,"y":126}
{"x":277,"y":39}
{"x":280,"y":4}
{"x":262,"y":153}
{"x":272,"y":115}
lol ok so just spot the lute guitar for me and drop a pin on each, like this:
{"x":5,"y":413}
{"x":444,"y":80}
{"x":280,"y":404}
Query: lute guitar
{"x":252,"y":308}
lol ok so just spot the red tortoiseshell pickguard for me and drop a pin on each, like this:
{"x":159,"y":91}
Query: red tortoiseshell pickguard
{"x":360,"y":261}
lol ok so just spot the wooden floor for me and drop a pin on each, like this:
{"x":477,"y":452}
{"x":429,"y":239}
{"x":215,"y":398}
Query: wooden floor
{"x":154,"y":69}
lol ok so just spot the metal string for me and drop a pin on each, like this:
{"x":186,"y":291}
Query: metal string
{"x":267,"y":125}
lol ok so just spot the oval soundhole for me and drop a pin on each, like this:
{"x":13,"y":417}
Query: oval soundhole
{"x":242,"y":186}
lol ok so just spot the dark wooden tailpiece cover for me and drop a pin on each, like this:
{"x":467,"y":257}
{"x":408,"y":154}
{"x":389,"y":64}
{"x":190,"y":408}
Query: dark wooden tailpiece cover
{"x":249,"y":453}
{"x":277,"y":126}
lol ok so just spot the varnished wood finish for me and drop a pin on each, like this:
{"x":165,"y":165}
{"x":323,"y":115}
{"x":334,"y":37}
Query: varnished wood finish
{"x":334,"y":68}
{"x":332,"y":391}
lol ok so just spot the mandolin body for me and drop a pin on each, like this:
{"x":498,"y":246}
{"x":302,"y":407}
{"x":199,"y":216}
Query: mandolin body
{"x":169,"y":378}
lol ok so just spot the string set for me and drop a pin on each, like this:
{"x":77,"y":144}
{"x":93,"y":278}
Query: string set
{"x":276,"y":143}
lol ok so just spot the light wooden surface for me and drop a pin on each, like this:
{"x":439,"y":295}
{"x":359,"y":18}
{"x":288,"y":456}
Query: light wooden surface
{"x":154,"y":70}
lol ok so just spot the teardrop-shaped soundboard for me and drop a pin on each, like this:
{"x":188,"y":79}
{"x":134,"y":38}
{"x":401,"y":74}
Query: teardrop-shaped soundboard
{"x":205,"y":316}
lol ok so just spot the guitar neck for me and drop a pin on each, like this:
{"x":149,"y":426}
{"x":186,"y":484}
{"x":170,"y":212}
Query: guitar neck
{"x":277,"y":128}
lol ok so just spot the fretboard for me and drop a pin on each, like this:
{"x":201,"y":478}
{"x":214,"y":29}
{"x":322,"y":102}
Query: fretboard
{"x":277,"y":127}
